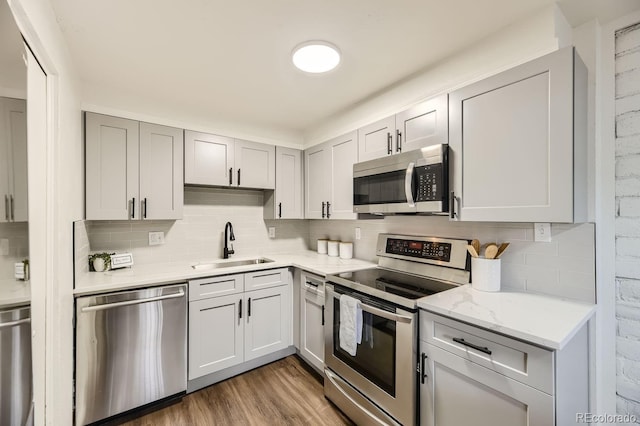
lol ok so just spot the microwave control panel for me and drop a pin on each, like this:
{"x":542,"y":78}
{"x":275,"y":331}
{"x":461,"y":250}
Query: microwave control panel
{"x":433,"y":250}
{"x":429,"y":183}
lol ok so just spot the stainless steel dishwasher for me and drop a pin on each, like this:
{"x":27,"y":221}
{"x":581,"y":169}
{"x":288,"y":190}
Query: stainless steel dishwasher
{"x":15,"y":367}
{"x":131,"y":350}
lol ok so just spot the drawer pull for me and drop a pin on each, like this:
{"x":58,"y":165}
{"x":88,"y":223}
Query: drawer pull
{"x":423,"y":373}
{"x":472,"y":346}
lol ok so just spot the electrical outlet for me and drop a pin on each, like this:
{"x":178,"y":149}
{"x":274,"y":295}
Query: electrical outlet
{"x":542,"y":232}
{"x":4,"y":247}
{"x":358,"y":234}
{"x":156,"y":238}
{"x":272,"y":232}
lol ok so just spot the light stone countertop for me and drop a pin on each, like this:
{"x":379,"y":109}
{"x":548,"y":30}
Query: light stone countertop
{"x":167,"y":273}
{"x":14,"y":293}
{"x":542,"y":320}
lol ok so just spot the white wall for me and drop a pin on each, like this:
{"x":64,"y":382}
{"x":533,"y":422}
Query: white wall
{"x":627,"y":75}
{"x":63,"y":178}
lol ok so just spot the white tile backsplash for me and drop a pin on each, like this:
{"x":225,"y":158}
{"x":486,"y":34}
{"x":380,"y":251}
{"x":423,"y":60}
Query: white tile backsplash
{"x":17,"y":234}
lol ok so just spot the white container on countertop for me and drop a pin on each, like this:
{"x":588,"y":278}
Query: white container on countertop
{"x":333,"y":248}
{"x":346,"y":250}
{"x":485,"y":274}
{"x":322,"y":246}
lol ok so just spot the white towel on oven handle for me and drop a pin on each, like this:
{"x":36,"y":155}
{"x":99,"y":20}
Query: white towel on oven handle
{"x":350,"y":324}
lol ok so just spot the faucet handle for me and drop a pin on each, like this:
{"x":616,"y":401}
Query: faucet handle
{"x":231,"y":251}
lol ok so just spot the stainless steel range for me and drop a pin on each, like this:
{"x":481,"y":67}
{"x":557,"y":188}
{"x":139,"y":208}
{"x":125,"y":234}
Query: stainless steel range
{"x":378,"y":384}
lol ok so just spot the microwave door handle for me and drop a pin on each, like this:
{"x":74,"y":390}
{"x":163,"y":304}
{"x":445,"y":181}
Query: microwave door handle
{"x":408,"y":190}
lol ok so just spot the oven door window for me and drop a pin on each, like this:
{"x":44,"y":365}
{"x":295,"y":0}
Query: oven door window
{"x":376,"y":356}
{"x":383,"y":188}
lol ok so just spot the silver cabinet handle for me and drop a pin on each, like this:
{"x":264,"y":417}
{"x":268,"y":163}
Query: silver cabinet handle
{"x":373,"y":418}
{"x":452,"y":206}
{"x":389,"y":149}
{"x":408,"y":190}
{"x":15,"y":323}
{"x":376,"y":311}
{"x":132,"y":302}
{"x":398,"y":141}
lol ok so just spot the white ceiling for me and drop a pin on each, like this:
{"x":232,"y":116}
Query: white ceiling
{"x":231,"y":59}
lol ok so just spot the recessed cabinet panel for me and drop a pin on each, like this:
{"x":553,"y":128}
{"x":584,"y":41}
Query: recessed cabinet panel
{"x":13,"y":160}
{"x":289,"y":201}
{"x":423,"y":125}
{"x":343,"y":152}
{"x":112,"y":149}
{"x":377,"y":139}
{"x":317,"y":181}
{"x":208,"y":159}
{"x":268,"y":322}
{"x":161,"y":171}
{"x":255,"y":165}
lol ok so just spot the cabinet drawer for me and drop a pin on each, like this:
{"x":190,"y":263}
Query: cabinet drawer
{"x":265,"y":279}
{"x":523,"y":362}
{"x":204,"y":288}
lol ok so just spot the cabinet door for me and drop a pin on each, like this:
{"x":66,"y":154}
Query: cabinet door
{"x":317,"y":169}
{"x":376,"y":139}
{"x":512,"y":143}
{"x":288,"y":193}
{"x":456,"y":392}
{"x":343,"y":153}
{"x":111,"y":167}
{"x":255,"y":165}
{"x":216,"y":337}
{"x":268,"y":321}
{"x":161,"y":171}
{"x":423,"y":125}
{"x":312,"y":322}
{"x":208,"y":159}
{"x":13,"y":149}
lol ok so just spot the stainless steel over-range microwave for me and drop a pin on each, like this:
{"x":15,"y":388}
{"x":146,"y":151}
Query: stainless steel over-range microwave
{"x":412,"y":182}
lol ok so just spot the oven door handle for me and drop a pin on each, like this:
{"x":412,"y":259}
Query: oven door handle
{"x":376,"y":311}
{"x":408,"y":190}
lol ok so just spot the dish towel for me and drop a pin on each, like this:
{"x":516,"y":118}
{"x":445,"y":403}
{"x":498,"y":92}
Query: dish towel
{"x":350,"y":324}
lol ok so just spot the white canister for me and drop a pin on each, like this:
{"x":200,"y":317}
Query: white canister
{"x":322,"y":246}
{"x":485,"y":274}
{"x":333,"y":249}
{"x":346,"y":250}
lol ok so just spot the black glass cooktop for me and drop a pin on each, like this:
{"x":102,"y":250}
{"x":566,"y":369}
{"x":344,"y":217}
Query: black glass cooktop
{"x":381,"y":282}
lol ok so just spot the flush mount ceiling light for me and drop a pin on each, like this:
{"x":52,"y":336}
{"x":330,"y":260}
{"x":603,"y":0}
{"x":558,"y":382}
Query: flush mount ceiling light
{"x":316,"y":56}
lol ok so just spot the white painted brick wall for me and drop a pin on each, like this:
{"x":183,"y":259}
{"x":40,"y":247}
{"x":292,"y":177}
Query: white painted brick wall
{"x":628,"y":219}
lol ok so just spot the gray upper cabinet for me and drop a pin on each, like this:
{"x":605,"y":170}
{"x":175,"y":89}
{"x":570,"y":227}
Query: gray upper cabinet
{"x":422,"y":125}
{"x":329,"y":178}
{"x":518,"y":143}
{"x":255,"y":165}
{"x":286,"y":202}
{"x":222,"y":161}
{"x":208,"y":159}
{"x":133,"y":170}
{"x":13,"y":159}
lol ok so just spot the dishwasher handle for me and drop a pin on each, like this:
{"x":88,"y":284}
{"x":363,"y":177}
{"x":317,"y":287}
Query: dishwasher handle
{"x":132,"y":302}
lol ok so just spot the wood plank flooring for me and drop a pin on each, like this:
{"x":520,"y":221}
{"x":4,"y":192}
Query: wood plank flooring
{"x":280,"y":393}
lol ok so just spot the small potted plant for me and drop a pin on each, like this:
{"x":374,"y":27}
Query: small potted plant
{"x":99,"y":262}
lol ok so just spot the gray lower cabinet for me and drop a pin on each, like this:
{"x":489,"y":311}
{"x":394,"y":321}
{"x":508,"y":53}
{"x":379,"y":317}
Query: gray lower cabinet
{"x":237,"y":318}
{"x":312,"y":320}
{"x":518,"y":143}
{"x":473,"y":376}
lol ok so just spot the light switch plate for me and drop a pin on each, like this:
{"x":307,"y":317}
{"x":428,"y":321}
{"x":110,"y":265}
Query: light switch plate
{"x":156,"y":238}
{"x":542,"y":232}
{"x":272,"y":232}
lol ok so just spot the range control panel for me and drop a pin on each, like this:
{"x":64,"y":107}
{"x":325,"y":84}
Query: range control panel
{"x":433,"y":250}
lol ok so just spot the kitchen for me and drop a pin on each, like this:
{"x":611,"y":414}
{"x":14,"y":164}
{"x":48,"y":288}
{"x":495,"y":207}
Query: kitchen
{"x":206,"y":211}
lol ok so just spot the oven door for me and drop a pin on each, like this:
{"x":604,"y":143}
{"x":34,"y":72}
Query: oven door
{"x":383,"y":369}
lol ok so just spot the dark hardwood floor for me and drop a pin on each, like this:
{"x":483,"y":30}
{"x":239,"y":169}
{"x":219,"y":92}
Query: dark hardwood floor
{"x":282,"y":393}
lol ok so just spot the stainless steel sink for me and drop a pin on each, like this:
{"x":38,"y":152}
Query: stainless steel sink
{"x":230,"y":264}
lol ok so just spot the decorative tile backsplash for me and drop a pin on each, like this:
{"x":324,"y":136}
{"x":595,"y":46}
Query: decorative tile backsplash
{"x":563,"y":267}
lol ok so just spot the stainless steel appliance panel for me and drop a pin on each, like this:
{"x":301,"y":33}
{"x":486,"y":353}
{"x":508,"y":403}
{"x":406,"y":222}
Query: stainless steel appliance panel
{"x":15,"y":366}
{"x":384,"y":373}
{"x":131,"y":350}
